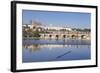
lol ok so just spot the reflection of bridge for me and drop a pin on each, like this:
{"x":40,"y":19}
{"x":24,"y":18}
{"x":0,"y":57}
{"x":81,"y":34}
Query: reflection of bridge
{"x":37,"y":47}
{"x":66,"y":35}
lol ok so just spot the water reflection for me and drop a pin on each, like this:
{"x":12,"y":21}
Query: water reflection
{"x":61,"y":42}
{"x":37,"y":47}
{"x":33,"y":47}
{"x":55,"y":50}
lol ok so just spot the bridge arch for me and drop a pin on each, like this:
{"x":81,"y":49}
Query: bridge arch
{"x":83,"y":36}
{"x":57,"y":36}
{"x":73,"y":36}
{"x":64,"y":36}
{"x":50,"y":35}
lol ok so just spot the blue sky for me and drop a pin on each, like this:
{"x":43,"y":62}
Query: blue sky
{"x":62,"y":19}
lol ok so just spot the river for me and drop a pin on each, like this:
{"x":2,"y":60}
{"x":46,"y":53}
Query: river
{"x":55,"y":50}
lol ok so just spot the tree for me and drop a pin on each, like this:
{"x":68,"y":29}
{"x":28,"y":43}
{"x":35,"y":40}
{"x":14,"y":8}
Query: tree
{"x":36,"y":33}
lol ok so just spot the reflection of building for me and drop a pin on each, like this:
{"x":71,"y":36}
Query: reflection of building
{"x":37,"y":47}
{"x":51,"y":32}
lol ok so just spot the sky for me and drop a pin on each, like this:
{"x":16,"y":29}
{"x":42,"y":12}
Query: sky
{"x":59,"y":19}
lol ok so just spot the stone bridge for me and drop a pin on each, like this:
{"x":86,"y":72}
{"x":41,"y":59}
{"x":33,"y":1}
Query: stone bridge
{"x":66,"y":35}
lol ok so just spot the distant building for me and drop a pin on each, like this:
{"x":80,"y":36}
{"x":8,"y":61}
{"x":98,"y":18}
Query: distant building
{"x":36,"y":25}
{"x":57,"y":32}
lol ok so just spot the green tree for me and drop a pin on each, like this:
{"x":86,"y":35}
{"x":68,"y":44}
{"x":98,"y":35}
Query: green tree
{"x":36,"y":33}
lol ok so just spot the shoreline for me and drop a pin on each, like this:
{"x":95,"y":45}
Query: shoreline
{"x":36,"y":38}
